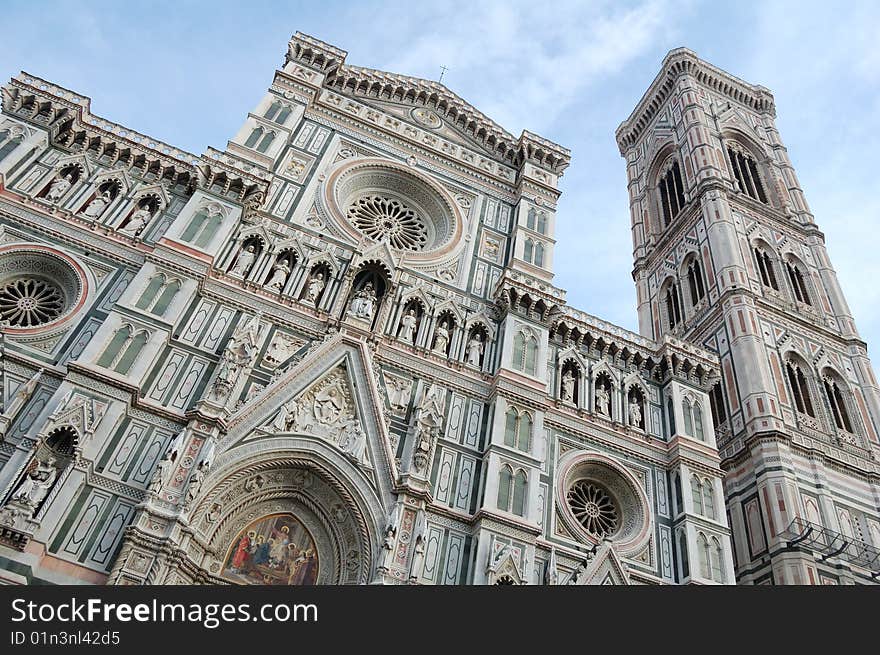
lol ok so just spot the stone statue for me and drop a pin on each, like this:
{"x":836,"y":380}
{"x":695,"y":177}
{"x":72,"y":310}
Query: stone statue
{"x":568,"y":387}
{"x":635,"y":413}
{"x":390,"y":536}
{"x":418,"y":560}
{"x":551,"y":573}
{"x":408,"y":324}
{"x":279,"y":276}
{"x":195,"y":485}
{"x":441,"y":338}
{"x":475,"y":350}
{"x":97,"y":206}
{"x":37,"y":483}
{"x":602,"y":401}
{"x":316,"y":286}
{"x":354,"y":441}
{"x":163,"y":469}
{"x":244,"y":261}
{"x":59,"y":187}
{"x":399,"y":391}
{"x":137,"y":222}
{"x":364,"y":303}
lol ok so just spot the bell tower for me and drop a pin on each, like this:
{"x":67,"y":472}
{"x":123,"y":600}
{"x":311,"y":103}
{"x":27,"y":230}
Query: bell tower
{"x":728,"y":255}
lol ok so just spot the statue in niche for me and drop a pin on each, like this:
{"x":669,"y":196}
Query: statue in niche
{"x":568,"y":386}
{"x":364,"y":303}
{"x":408,"y":324}
{"x":97,"y":206}
{"x":244,"y":261}
{"x":475,"y":349}
{"x":418,"y":560}
{"x":388,"y":539}
{"x":635,"y":413}
{"x":316,"y":286}
{"x":279,"y":276}
{"x":137,"y":222}
{"x":59,"y":187}
{"x":602,"y":400}
{"x":441,"y":338}
{"x":37,"y":483}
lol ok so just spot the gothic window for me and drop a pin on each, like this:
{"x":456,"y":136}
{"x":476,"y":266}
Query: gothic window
{"x":528,"y":250}
{"x":539,"y":255}
{"x":698,"y":421}
{"x":282,"y":116}
{"x":131,"y":353}
{"x":693,"y":419}
{"x":594,"y":508}
{"x":798,"y":286}
{"x":524,"y":432}
{"x":683,"y":554}
{"x":838,"y":404}
{"x":273,"y":110}
{"x":705,"y":556}
{"x":672,"y":300}
{"x":530,"y":218}
{"x":677,"y":494}
{"x":716,"y":398}
{"x":8,"y":145}
{"x":671,"y":193}
{"x":123,"y":350}
{"x":717,"y":560}
{"x":697,"y":495}
{"x":254,"y":137}
{"x":799,"y":388}
{"x":708,"y":499}
{"x":511,"y":421}
{"x":670,"y":411}
{"x":114,"y":348}
{"x":745,"y":169}
{"x":519,"y":493}
{"x":525,"y":353}
{"x":766,"y":269}
{"x":151,"y":292}
{"x":688,"y":418}
{"x":202,"y":228}
{"x":542,"y":223}
{"x":505,"y":484}
{"x":696,"y":286}
{"x":166,"y":297}
{"x":266,"y":142}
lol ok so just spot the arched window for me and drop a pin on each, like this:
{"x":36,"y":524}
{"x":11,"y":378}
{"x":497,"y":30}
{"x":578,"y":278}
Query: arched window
{"x":799,"y":388}
{"x":266,"y":142}
{"x":285,"y":112}
{"x":716,"y":398}
{"x":765,"y":269}
{"x":745,"y":170}
{"x":683,"y":554}
{"x":708,"y":499}
{"x":510,"y":427}
{"x":525,"y":432}
{"x":688,"y":418}
{"x":671,"y":193}
{"x":705,"y":556}
{"x":542,"y":223}
{"x":209,"y":229}
{"x":717,"y":560}
{"x":131,"y":353}
{"x":672,"y":299}
{"x":8,"y":146}
{"x":695,"y":281}
{"x":254,"y":137}
{"x":151,"y":292}
{"x":670,"y":412}
{"x":519,"y":493}
{"x":798,"y":286}
{"x":528,"y":250}
{"x":539,"y":254}
{"x":838,"y":404}
{"x":530,"y":218}
{"x":165,"y":299}
{"x":698,"y":421}
{"x":531,"y":356}
{"x":677,"y":497}
{"x":273,"y":110}
{"x":697,"y":495}
{"x":114,"y":348}
{"x":505,"y":484}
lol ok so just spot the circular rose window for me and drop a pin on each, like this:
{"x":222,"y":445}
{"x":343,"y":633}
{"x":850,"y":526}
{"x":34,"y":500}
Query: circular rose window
{"x":38,"y":286}
{"x":599,"y":499}
{"x":388,"y":202}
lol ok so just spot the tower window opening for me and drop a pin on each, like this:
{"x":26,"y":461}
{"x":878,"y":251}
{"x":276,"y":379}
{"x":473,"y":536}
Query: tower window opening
{"x":671,"y":194}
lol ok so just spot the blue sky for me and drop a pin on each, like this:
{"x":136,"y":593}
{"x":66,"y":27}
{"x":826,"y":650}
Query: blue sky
{"x":188,"y":72}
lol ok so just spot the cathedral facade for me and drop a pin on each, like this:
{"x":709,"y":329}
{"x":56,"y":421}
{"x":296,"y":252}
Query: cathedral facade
{"x":333,"y":353}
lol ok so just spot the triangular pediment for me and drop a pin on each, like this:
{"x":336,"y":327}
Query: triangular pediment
{"x":605,"y":568}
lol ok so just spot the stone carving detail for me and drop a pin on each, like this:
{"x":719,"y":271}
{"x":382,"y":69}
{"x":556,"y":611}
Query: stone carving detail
{"x":408,"y":323}
{"x":244,"y":261}
{"x":316,"y":286}
{"x":280,"y":349}
{"x":429,"y":418}
{"x":36,"y":485}
{"x":138,"y":221}
{"x":475,"y":349}
{"x":279,"y":276}
{"x":59,"y":187}
{"x":568,"y":386}
{"x":238,"y":356}
{"x":326,"y":410}
{"x":97,"y":206}
{"x":399,"y":391}
{"x":19,"y":399}
{"x":441,"y":338}
{"x":635,"y":413}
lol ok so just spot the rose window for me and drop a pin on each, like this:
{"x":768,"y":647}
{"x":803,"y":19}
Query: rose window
{"x":383,"y":218}
{"x":594,"y":508}
{"x":28,"y":302}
